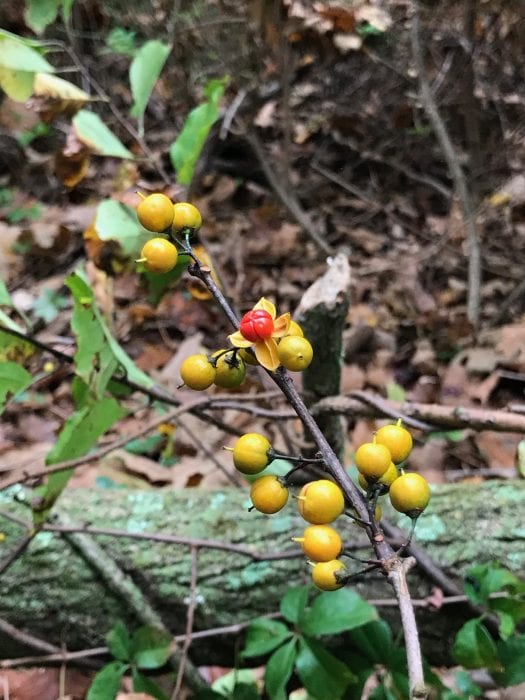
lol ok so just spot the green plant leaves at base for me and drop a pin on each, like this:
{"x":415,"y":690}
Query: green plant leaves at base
{"x":336,"y":611}
{"x":263,"y":636}
{"x":119,"y":641}
{"x":324,"y":676}
{"x":106,"y":683}
{"x":512,"y":655}
{"x":13,"y":378}
{"x":279,"y":669}
{"x":186,"y":149}
{"x":117,"y":222}
{"x":143,"y":684}
{"x":485,"y":579}
{"x":150,"y":647}
{"x":475,"y":648}
{"x":144,"y":72}
{"x":92,"y":131}
{"x":293,"y":603}
{"x":374,"y":641}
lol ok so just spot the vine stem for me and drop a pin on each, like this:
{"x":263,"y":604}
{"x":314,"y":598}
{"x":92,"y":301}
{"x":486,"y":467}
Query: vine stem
{"x":394,"y":567}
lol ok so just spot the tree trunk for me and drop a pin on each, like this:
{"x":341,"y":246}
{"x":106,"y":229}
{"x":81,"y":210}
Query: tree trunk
{"x":54,"y":594}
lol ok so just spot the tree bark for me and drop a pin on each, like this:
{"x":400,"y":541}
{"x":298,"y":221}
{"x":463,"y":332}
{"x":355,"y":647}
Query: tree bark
{"x":53,"y":593}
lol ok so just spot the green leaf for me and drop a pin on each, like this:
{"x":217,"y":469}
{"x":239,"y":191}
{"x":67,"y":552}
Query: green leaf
{"x":17,"y":84}
{"x":106,"y":683}
{"x":186,"y":149}
{"x":150,"y":647}
{"x":279,"y":669}
{"x":510,"y":611}
{"x":512,"y":655}
{"x":5,"y":297}
{"x":324,"y":676}
{"x":483,"y":580}
{"x":48,"y":304}
{"x":121,"y":40}
{"x":475,"y":648}
{"x":92,"y":131}
{"x":336,"y":611}
{"x":263,"y":636}
{"x":382,"y":693}
{"x":8,"y":322}
{"x":374,"y":641}
{"x":118,"y":222}
{"x":40,"y":13}
{"x":293,"y":603}
{"x":13,"y":378}
{"x":225,"y":685}
{"x":119,"y":641}
{"x":17,"y":54}
{"x":78,"y":435}
{"x":395,"y":392}
{"x":84,"y":296}
{"x":466,"y":685}
{"x":143,"y":684}
{"x":144,"y":73}
{"x":83,"y":428}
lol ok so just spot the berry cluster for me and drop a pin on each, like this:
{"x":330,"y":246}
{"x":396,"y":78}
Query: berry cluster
{"x":377,"y":463}
{"x":319,"y":503}
{"x":275,"y":341}
{"x":157,"y":213}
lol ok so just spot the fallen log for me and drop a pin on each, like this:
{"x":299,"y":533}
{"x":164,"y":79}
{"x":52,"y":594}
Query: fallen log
{"x":52,"y":592}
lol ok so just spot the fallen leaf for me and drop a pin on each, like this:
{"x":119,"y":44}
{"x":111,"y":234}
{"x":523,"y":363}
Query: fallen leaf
{"x":498,"y":449}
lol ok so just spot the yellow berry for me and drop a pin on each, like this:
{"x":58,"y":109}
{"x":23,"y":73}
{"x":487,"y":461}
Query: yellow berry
{"x":410,"y":494}
{"x":324,"y":575}
{"x":230,"y":369}
{"x":372,"y":460}
{"x":396,"y":439}
{"x":385,"y":481}
{"x":250,"y":453}
{"x":320,"y":542}
{"x":295,"y":353}
{"x":197,"y":372}
{"x":159,"y":255}
{"x":321,"y":501}
{"x":268,"y":494}
{"x":185,"y":215}
{"x":155,"y":212}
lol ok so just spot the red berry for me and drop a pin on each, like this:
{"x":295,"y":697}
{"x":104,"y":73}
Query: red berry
{"x":256,"y":325}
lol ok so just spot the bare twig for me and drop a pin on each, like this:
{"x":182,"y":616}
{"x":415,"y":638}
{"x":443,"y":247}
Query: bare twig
{"x":27,"y":639}
{"x":397,"y":577}
{"x":288,"y":199}
{"x":423,"y":416}
{"x":454,"y":166}
{"x":189,"y":623}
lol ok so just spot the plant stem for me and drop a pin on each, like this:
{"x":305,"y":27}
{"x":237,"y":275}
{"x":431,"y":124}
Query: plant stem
{"x":397,"y":577}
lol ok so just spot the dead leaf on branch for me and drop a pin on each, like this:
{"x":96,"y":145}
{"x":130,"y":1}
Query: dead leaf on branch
{"x":53,"y":96}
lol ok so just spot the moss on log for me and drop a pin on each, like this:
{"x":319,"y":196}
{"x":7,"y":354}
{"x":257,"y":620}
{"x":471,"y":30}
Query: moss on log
{"x":53,"y":593}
